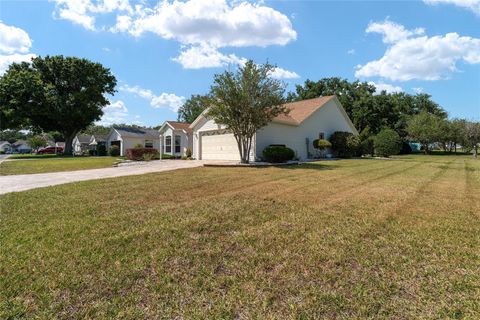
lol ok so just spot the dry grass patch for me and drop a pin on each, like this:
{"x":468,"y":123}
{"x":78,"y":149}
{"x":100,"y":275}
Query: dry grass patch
{"x":344,"y":239}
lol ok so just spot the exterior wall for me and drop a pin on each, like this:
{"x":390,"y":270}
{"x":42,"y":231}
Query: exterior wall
{"x":114,"y":136}
{"x":327,"y":119}
{"x":185,"y":141}
{"x":5,"y":147}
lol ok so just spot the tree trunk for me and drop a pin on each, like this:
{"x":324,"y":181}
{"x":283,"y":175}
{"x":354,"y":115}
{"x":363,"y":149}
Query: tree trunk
{"x":68,"y":143}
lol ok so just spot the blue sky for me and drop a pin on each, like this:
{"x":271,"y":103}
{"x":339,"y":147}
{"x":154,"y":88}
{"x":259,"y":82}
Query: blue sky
{"x":162,"y":52}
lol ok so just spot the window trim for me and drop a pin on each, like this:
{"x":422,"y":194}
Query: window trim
{"x":179,"y":145}
{"x":168,"y":144}
{"x":150,"y":143}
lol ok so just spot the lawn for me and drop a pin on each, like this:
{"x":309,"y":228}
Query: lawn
{"x":54,"y":164}
{"x":378,"y":239}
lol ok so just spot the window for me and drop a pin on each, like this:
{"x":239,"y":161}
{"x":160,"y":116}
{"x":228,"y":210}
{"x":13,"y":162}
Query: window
{"x":321,"y":135}
{"x":168,"y":144}
{"x":148,"y":143}
{"x":178,"y":142}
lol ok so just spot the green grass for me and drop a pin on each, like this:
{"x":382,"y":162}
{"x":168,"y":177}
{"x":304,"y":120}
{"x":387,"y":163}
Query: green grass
{"x":349,"y":239}
{"x":54,"y":165}
{"x":35,"y":156}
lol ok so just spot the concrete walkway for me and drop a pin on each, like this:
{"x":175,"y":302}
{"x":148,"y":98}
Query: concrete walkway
{"x":24,"y":182}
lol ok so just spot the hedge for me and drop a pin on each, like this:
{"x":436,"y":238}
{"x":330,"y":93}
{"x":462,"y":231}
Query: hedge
{"x":139,"y":154}
{"x":387,"y":142}
{"x":114,"y":151}
{"x":278,"y":154}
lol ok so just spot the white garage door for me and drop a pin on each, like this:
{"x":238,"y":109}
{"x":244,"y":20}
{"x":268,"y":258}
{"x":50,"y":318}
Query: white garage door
{"x":219,"y":147}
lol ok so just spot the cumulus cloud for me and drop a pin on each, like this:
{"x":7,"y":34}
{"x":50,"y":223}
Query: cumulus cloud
{"x":279,"y":73}
{"x":206,"y":56}
{"x":413,"y":55}
{"x":15,"y":43}
{"x":84,"y":12}
{"x":417,"y":90}
{"x":115,"y":112}
{"x":164,"y":100}
{"x":472,"y":5}
{"x":389,"y":88}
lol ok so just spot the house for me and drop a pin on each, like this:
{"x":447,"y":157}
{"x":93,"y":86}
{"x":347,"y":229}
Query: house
{"x":175,"y":138}
{"x":307,"y":120}
{"x":85,"y":142}
{"x":21,"y":146}
{"x":81,"y":143}
{"x":127,"y":138}
{"x":5,"y":146}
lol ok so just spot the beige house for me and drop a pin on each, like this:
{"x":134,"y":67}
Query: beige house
{"x":175,"y":138}
{"x":307,"y":120}
{"x":127,"y":138}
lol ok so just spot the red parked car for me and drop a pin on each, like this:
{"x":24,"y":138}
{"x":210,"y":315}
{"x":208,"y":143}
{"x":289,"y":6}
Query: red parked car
{"x":50,"y":150}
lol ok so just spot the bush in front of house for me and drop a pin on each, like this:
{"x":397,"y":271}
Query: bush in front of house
{"x":167,"y":156}
{"x":387,"y":142}
{"x":188,"y":153}
{"x":101,"y":150}
{"x":406,"y":148}
{"x":277,"y":154}
{"x":139,"y":154}
{"x":114,"y":151}
{"x":322,"y":144}
{"x":345,"y":144}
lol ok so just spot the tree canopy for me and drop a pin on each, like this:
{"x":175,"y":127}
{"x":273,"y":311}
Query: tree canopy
{"x":55,"y":93}
{"x":193,"y":107}
{"x":245,"y":101}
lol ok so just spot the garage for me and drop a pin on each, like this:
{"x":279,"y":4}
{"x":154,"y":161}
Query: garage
{"x":219,"y":146}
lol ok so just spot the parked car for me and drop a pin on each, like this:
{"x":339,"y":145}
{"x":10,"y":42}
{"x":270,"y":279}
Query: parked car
{"x":50,"y":150}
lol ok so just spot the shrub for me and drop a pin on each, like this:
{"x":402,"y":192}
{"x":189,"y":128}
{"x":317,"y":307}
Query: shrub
{"x":321,"y":144}
{"x":91,"y":152}
{"x":138,"y":146}
{"x":114,"y":151}
{"x":2,"y":152}
{"x":278,"y":154}
{"x":367,"y":146}
{"x":387,"y":142}
{"x":167,"y":156}
{"x":149,"y":156}
{"x":101,"y":150}
{"x":138,"y":154}
{"x":345,"y":144}
{"x":188,"y":153}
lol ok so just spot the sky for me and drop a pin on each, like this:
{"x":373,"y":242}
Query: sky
{"x":162,"y":52}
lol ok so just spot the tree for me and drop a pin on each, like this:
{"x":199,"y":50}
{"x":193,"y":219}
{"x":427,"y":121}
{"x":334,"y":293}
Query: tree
{"x":193,"y":107}
{"x":37,"y":142}
{"x":245,"y":101}
{"x":387,"y":142}
{"x":13,"y":135}
{"x":64,"y":94}
{"x":425,"y":129}
{"x":472,"y":136}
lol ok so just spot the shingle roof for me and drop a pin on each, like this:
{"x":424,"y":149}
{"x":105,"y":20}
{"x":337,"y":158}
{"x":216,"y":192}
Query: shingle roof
{"x":301,"y":110}
{"x":84,"y":138}
{"x":180,"y":125}
{"x":137,"y":132}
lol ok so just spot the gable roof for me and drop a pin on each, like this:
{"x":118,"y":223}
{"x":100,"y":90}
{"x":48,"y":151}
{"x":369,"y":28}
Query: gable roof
{"x":4,"y":142}
{"x":83,"y":138}
{"x":176,"y":125}
{"x":137,"y":132}
{"x":301,"y":110}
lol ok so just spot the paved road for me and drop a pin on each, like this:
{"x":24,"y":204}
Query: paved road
{"x":23,"y":182}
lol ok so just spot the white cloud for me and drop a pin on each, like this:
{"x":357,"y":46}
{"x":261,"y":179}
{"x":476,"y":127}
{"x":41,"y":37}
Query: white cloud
{"x":413,"y":56}
{"x":15,"y":44}
{"x":351,"y":51}
{"x":389,"y":88}
{"x":279,"y":73}
{"x":84,"y":12}
{"x":417,"y":90}
{"x":205,"y":56}
{"x":392,"y":32}
{"x":472,"y":5}
{"x":13,"y":40}
{"x":7,"y":60}
{"x":115,"y":112}
{"x":164,"y":100}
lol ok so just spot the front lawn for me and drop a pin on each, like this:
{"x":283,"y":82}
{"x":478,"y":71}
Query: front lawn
{"x":55,"y":164}
{"x":378,"y":239}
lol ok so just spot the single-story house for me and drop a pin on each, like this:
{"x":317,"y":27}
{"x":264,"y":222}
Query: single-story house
{"x":127,"y":138}
{"x":21,"y":146}
{"x":85,"y":142}
{"x":307,"y":120}
{"x":175,"y":138}
{"x":5,"y":146}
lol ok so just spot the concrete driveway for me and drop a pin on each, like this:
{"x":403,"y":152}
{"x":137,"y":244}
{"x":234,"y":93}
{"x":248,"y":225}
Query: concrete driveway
{"x":24,"y":182}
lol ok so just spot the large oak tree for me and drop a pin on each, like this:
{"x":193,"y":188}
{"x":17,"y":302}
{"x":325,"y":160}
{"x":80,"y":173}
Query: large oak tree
{"x":245,"y":101}
{"x":55,"y":93}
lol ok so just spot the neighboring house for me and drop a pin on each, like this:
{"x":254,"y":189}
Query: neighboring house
{"x":5,"y":146}
{"x":127,"y":138}
{"x":21,"y":146}
{"x":85,"y":142}
{"x":307,"y":120}
{"x":175,"y":138}
{"x":81,"y":143}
